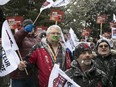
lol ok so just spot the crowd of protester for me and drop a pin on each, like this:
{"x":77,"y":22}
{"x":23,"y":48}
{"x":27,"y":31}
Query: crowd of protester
{"x":89,"y":63}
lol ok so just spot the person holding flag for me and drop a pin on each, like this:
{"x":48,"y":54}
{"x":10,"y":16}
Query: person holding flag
{"x":47,"y":53}
{"x":25,"y":38}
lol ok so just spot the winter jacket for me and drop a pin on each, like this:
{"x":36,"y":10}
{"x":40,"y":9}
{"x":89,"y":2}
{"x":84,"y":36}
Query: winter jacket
{"x":42,"y":57}
{"x":92,"y":77}
{"x":108,"y":65}
{"x":25,"y":43}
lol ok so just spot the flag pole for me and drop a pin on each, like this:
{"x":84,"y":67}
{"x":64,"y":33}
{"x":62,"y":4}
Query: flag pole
{"x":100,"y":28}
{"x":37,"y":17}
{"x":56,"y":22}
{"x":22,"y":60}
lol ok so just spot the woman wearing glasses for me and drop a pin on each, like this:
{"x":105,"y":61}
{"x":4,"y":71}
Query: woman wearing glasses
{"x":106,"y":61}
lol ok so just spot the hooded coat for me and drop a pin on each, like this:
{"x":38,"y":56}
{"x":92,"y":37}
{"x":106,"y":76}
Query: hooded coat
{"x":108,"y":65}
{"x":92,"y":77}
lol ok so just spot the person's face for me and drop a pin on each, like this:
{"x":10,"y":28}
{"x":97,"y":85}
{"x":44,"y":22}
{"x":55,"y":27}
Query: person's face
{"x":103,"y":49}
{"x":54,"y":35}
{"x":85,"y":58}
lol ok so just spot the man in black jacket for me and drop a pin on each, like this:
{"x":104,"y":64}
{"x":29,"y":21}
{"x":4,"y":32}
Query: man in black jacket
{"x":83,"y":69}
{"x":106,"y":61}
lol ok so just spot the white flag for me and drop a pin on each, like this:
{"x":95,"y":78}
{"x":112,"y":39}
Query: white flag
{"x":10,"y":62}
{"x":59,"y":3}
{"x":73,"y":37}
{"x":114,"y":17}
{"x":2,"y":2}
{"x":59,"y":79}
{"x":47,"y":4}
{"x":8,"y":40}
{"x":9,"y":56}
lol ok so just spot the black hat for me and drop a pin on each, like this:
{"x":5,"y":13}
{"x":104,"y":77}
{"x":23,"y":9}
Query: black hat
{"x":80,"y":49}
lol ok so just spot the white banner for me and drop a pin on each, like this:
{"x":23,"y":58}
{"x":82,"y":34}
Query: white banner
{"x":9,"y":56}
{"x":2,"y":2}
{"x":59,"y":79}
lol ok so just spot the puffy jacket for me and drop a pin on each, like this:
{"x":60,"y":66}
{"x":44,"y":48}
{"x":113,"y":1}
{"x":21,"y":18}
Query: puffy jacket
{"x":25,"y":43}
{"x":42,"y":57}
{"x":92,"y":77}
{"x":108,"y":65}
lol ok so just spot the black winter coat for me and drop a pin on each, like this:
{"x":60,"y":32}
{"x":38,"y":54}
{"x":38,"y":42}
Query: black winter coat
{"x":90,"y":78}
{"x":108,"y":65}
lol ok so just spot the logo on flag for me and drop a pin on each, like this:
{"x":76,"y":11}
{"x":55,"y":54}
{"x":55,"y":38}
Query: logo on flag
{"x":59,"y":79}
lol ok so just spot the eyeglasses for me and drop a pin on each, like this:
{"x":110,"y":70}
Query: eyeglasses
{"x":101,"y":46}
{"x":54,"y":33}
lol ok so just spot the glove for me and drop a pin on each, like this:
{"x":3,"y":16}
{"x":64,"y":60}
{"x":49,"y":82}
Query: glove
{"x":29,"y":27}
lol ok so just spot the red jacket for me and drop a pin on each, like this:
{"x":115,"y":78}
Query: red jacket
{"x":41,"y":56}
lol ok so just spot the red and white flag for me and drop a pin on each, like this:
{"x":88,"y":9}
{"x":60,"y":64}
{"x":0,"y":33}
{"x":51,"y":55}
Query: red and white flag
{"x":51,"y":3}
{"x":3,"y":2}
{"x":10,"y":58}
{"x":47,"y":4}
{"x":58,"y":78}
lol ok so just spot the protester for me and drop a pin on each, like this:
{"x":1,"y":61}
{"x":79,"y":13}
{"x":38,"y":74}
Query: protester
{"x":106,"y":61}
{"x":25,"y":39}
{"x":47,"y":53}
{"x":83,"y":69}
{"x":4,"y":81}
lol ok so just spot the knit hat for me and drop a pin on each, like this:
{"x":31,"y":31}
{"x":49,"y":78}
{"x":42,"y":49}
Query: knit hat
{"x":26,"y":22}
{"x":80,"y":49}
{"x":100,"y":41}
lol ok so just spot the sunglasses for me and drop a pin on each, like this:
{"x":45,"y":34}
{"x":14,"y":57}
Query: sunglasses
{"x":101,"y":46}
